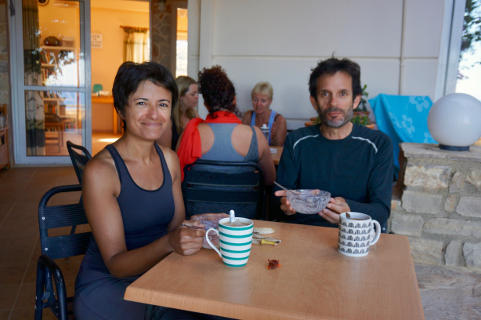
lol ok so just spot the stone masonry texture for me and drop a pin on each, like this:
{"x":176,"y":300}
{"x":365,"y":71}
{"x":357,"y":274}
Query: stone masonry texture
{"x":469,"y":207}
{"x":426,"y":251}
{"x":474,"y":178}
{"x":454,"y":253}
{"x":422,"y":202}
{"x":407,"y":224}
{"x":428,"y":178}
{"x":440,"y":206}
{"x":472,"y":254}
{"x":457,"y":182}
{"x":455,"y":228}
{"x":451,"y":202}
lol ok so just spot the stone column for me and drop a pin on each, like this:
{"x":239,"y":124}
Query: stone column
{"x":163,"y":33}
{"x":440,"y":205}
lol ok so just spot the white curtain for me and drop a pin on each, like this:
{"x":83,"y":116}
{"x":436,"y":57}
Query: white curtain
{"x":136,"y":46}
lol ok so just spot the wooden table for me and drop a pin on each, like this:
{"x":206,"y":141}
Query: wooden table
{"x":110,"y":101}
{"x":313,"y":282}
{"x":57,"y":128}
{"x":276,"y":153}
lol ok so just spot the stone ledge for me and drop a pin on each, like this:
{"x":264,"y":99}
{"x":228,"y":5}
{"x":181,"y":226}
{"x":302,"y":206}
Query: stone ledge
{"x":432,"y":151}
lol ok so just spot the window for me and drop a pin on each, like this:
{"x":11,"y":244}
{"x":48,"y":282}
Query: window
{"x":181,"y":43}
{"x":136,"y":44}
{"x":469,"y":69}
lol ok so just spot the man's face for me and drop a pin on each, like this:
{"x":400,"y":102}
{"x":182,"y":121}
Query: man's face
{"x":334,"y":101}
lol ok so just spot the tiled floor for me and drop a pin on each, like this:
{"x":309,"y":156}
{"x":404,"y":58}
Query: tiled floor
{"x":446,"y":294}
{"x":20,"y":192}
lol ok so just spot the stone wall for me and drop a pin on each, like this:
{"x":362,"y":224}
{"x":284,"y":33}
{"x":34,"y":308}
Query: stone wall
{"x":440,"y":205}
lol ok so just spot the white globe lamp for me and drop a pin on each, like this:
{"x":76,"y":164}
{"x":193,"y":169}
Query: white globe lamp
{"x":454,"y":121}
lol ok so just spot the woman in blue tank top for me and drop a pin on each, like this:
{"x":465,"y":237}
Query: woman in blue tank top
{"x":132,"y":198}
{"x":263,"y":115}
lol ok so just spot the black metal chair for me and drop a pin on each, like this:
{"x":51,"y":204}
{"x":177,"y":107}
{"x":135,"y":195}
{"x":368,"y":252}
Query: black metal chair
{"x":50,"y":285}
{"x":79,"y":156}
{"x":218,"y":186}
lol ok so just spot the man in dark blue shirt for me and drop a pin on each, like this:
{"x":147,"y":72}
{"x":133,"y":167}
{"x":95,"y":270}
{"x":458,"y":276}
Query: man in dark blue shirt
{"x":352,"y":162}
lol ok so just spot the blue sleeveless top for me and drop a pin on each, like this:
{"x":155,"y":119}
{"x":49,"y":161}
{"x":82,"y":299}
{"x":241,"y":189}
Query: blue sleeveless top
{"x":222,"y":149}
{"x":146,"y":215}
{"x":269,"y":124}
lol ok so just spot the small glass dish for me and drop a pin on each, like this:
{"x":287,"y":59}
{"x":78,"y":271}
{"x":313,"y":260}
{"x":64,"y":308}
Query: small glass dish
{"x":308,"y":201}
{"x":210,"y":220}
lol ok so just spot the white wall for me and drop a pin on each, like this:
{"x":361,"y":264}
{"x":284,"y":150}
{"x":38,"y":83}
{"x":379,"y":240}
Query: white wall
{"x":399,"y":44}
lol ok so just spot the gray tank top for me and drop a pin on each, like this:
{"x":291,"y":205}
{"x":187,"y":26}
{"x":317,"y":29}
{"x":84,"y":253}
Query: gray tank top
{"x":222,"y":149}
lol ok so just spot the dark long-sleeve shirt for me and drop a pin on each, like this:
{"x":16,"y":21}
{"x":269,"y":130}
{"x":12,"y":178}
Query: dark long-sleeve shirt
{"x":358,"y":168}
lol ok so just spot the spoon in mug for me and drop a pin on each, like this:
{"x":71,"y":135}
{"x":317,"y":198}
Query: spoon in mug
{"x":284,"y":188}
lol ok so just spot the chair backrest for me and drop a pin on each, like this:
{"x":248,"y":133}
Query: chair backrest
{"x":79,"y":156}
{"x":51,"y":217}
{"x":218,"y":186}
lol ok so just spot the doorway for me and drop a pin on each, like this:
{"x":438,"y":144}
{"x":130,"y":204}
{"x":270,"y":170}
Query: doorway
{"x":120,"y":31}
{"x":49,"y":82}
{"x":64,"y":55}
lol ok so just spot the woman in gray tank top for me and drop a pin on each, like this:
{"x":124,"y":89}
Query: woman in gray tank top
{"x":222,"y":136}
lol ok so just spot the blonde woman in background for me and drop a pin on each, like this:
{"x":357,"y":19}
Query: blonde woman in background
{"x":186,"y":108}
{"x":183,"y":111}
{"x":261,"y":95}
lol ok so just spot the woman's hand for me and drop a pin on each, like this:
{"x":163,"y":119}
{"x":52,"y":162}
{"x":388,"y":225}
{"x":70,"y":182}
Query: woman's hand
{"x":187,"y":238}
{"x":285,"y":204}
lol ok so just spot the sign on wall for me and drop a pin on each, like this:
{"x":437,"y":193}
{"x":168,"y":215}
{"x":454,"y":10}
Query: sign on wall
{"x":96,"y":40}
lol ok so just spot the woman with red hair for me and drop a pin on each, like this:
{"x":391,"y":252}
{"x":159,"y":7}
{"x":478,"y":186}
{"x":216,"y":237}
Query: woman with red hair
{"x":222,"y":136}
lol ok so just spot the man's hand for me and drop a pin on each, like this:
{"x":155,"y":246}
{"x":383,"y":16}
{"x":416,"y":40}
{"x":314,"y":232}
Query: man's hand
{"x":334,"y":208}
{"x":285,"y":204}
{"x":187,"y":238}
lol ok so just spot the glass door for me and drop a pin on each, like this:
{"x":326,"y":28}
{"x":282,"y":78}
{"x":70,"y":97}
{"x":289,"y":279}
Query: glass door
{"x":52,"y":96}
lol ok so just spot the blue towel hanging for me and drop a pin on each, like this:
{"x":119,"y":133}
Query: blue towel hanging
{"x":403,"y":119}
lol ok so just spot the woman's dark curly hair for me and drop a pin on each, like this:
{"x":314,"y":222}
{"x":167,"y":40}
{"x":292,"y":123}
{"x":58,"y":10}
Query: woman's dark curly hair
{"x":217,"y":90}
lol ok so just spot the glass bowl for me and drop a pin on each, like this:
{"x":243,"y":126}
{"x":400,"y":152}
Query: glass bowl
{"x":308,"y":201}
{"x":210,"y":220}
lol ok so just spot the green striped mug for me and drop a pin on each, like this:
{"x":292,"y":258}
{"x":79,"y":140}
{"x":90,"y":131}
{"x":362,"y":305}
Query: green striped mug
{"x":235,"y":241}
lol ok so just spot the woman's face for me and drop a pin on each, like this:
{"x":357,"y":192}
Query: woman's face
{"x":148,"y":111}
{"x":191,"y":98}
{"x":260,"y":103}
